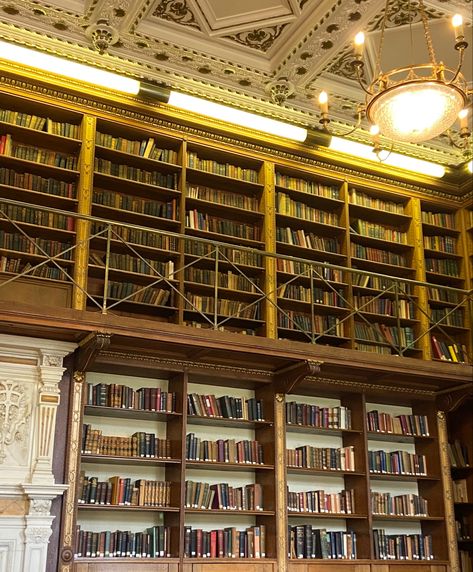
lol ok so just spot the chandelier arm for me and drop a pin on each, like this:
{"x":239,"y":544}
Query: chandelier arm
{"x":360,"y":80}
{"x":358,"y":123}
{"x":377,"y":150}
{"x":428,"y":38}
{"x":459,"y":67}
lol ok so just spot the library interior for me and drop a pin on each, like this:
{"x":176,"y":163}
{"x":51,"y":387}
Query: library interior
{"x":236,"y":286}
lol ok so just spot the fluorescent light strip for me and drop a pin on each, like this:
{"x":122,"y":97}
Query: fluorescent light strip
{"x":66,"y":68}
{"x":392,"y":159}
{"x":237,"y":117}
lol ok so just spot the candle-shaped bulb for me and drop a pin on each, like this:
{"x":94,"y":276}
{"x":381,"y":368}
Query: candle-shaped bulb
{"x":457,"y":23}
{"x":463,"y":117}
{"x":374,"y":130}
{"x":323,"y":102}
{"x":359,"y":44}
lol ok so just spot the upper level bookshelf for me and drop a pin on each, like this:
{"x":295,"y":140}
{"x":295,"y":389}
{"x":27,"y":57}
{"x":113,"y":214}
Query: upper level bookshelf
{"x":204,"y":234}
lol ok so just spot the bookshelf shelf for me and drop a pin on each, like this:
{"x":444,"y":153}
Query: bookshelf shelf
{"x":224,"y":422}
{"x":228,"y":237}
{"x":327,"y":515}
{"x":214,"y":179}
{"x":397,"y":437}
{"x":215,"y":466}
{"x":39,"y":167}
{"x":117,"y":460}
{"x":136,"y":218}
{"x":396,"y":477}
{"x":125,"y":413}
{"x":328,"y":472}
{"x":229,"y":512}
{"x":116,"y":508}
{"x":216,"y":208}
{"x":107,"y":181}
{"x":290,"y":427}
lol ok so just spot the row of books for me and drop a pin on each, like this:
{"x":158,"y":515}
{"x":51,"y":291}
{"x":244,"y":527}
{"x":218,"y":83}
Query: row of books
{"x":106,"y":167}
{"x":230,"y":280}
{"x":144,"y":147}
{"x":168,"y":209}
{"x":37,"y":183}
{"x":135,"y":236}
{"x":121,"y":491}
{"x":307,"y":186}
{"x":287,"y":206}
{"x":378,"y":255}
{"x":209,"y":223}
{"x":458,"y":454}
{"x":37,"y":246}
{"x":225,"y":169}
{"x":402,"y":546}
{"x":448,"y":350}
{"x":305,"y":269}
{"x":382,"y":422}
{"x":224,"y":450}
{"x":460,"y":491}
{"x":224,"y":306}
{"x":221,"y":328}
{"x":298,"y":237}
{"x":124,"y":397}
{"x":226,"y":253}
{"x":441,"y":243}
{"x":447,"y":266}
{"x":396,"y":462}
{"x":399,"y":505}
{"x":463,"y":527}
{"x":381,"y":350}
{"x":321,"y":502}
{"x":19,"y":266}
{"x":155,"y":542}
{"x":140,"y":294}
{"x":38,"y":217}
{"x":308,"y":542}
{"x":223,"y":496}
{"x":400,"y":337}
{"x":36,"y":154}
{"x":225,"y":407}
{"x":322,"y":458}
{"x":382,"y":283}
{"x":321,"y":324}
{"x":136,"y":264}
{"x":221,"y":197}
{"x":314,"y":295}
{"x":440,"y":220}
{"x":39,"y":123}
{"x":447,"y":316}
{"x":443,"y":295}
{"x":337,"y":417}
{"x":374,"y":230}
{"x":140,"y":444}
{"x":225,"y":543}
{"x":400,"y":307}
{"x":362,"y":199}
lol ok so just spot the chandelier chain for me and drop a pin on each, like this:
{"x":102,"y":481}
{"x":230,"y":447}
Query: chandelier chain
{"x":428,"y":37}
{"x":381,"y":41}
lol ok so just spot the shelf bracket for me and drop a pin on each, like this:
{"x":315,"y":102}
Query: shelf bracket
{"x":89,"y":348}
{"x":288,"y":378}
{"x":450,"y":399}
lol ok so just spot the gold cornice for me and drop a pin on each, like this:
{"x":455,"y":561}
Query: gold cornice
{"x":368,"y":387}
{"x":181,"y":124}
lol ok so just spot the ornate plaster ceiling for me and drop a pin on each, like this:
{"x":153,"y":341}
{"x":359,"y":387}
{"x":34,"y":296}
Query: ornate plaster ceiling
{"x":270,"y":56}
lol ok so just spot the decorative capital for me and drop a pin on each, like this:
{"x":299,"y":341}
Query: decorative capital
{"x":79,"y":377}
{"x":37,"y":534}
{"x":102,"y":35}
{"x":279,"y":90}
{"x":279,"y":397}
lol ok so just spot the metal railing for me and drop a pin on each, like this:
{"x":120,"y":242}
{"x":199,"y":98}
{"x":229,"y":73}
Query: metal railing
{"x":220,"y":285}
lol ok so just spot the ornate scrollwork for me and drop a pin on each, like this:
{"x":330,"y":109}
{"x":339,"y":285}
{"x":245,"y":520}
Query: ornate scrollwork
{"x":280,"y":90}
{"x":40,"y":506}
{"x":176,"y":11}
{"x":102,"y":35}
{"x":14,"y":414}
{"x":260,"y":39}
{"x":38,"y":535}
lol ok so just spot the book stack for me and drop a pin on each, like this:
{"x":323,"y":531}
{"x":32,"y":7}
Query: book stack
{"x":321,"y":417}
{"x":224,"y":450}
{"x":120,"y":491}
{"x":307,"y":186}
{"x":225,"y":407}
{"x":381,"y":422}
{"x":123,"y":397}
{"x":460,"y":491}
{"x":33,"y":182}
{"x":322,"y":458}
{"x":225,"y":543}
{"x":321,"y":502}
{"x":449,"y":350}
{"x":308,"y":542}
{"x":153,"y":543}
{"x":402,"y":546}
{"x":400,"y":505}
{"x":222,"y":496}
{"x":397,"y":463}
{"x":458,"y":454}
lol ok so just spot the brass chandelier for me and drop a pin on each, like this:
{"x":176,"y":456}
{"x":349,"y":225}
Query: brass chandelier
{"x":414,"y":103}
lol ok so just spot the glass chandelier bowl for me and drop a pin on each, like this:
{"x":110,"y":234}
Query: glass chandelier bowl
{"x":415,"y":109}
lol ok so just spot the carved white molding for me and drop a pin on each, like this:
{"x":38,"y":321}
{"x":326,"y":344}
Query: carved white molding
{"x":15,"y":409}
{"x":30,"y":372}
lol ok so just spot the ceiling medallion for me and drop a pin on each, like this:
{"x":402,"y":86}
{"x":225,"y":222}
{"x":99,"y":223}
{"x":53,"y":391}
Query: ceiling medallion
{"x":280,"y":90}
{"x":102,"y":35}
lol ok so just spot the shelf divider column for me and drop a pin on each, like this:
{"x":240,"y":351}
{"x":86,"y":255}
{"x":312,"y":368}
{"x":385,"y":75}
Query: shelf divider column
{"x":84,"y":207}
{"x":281,"y":479}
{"x":268,"y":205}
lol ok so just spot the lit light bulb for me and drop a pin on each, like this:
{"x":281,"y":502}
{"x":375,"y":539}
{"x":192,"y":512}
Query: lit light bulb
{"x":374,"y":130}
{"x":470,"y":166}
{"x":359,"y":44}
{"x":463,"y":117}
{"x":323,"y":102}
{"x":457,"y":23}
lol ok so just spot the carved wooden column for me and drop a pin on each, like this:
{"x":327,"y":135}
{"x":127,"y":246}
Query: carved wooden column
{"x":280,"y":478}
